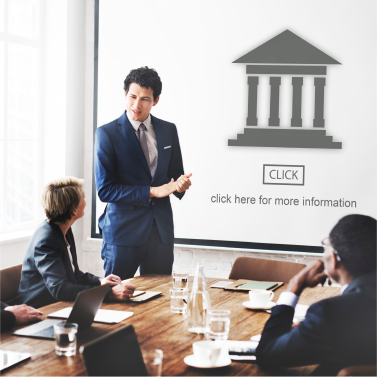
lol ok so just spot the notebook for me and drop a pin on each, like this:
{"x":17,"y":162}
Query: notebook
{"x":9,"y":358}
{"x":102,"y":316}
{"x":248,"y":285}
{"x":258,"y":285}
{"x":146,"y":296}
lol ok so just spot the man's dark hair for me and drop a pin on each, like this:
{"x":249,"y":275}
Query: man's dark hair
{"x":354,"y":238}
{"x":145,"y":77}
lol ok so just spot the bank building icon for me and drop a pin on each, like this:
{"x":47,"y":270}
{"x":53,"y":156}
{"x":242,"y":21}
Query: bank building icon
{"x":286,"y":54}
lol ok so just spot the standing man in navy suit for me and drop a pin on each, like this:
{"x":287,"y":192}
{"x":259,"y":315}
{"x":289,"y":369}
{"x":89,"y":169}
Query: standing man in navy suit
{"x":138,"y":164}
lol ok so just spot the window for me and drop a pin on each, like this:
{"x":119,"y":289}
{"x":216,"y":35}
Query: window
{"x":21,"y":98}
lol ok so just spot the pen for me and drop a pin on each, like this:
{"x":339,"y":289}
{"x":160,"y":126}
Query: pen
{"x":116,"y":281}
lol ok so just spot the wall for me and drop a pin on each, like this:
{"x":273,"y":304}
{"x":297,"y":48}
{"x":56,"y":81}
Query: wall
{"x":217,"y":263}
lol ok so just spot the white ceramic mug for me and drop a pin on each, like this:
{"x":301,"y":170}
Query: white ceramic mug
{"x":259,"y":298}
{"x":207,"y":352}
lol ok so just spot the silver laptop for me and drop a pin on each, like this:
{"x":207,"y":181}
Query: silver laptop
{"x":83,"y":312}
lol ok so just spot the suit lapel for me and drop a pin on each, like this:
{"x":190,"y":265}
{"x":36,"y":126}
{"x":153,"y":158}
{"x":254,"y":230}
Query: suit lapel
{"x":74,"y":259}
{"x":71,"y":242}
{"x":160,"y":144}
{"x":126,"y":129}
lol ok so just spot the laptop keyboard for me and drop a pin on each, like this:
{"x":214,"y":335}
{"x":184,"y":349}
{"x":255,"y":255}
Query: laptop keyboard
{"x":47,"y":332}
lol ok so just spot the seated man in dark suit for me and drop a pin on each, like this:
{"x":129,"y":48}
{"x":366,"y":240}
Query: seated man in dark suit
{"x":18,"y":315}
{"x":339,"y":331}
{"x":50,"y":272}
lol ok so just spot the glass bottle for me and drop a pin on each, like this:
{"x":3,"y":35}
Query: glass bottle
{"x":199,"y":304}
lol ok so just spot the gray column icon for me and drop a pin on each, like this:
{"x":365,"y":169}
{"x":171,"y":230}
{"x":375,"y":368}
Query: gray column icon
{"x":319,"y":83}
{"x":274,"y":120}
{"x":252,"y":119}
{"x":296,"y":120}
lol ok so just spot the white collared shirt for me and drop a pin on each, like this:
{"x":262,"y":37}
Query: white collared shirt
{"x":70,"y":257}
{"x":151,"y":140}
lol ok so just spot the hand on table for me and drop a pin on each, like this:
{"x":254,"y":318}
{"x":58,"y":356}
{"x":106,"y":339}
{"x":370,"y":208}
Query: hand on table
{"x":312,"y":275}
{"x":164,"y":190}
{"x":110,"y":280}
{"x":122,"y":292}
{"x":183,"y":183}
{"x":25,"y":314}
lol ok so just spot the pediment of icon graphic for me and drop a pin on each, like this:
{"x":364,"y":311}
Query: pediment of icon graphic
{"x":286,"y":48}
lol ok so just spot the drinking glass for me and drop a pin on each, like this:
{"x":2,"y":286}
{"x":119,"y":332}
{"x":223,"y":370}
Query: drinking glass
{"x":153,"y":361}
{"x":179,"y":297}
{"x":65,"y":337}
{"x":180,"y":279}
{"x":219,"y":324}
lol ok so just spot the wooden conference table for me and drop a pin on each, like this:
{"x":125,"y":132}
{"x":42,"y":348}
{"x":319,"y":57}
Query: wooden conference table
{"x":157,"y":327}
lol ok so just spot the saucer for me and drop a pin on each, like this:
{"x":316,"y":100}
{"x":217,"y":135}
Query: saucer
{"x":249,"y":305}
{"x":193,"y":362}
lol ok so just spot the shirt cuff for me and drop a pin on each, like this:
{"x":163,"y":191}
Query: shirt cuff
{"x":288,"y":298}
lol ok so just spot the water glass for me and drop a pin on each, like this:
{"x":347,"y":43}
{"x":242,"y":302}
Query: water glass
{"x":180,"y":279}
{"x":65,"y":337}
{"x":219,"y":324}
{"x":153,"y":361}
{"x":179,"y":297}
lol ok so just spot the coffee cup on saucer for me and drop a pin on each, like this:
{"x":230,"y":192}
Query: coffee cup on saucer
{"x":207,"y":352}
{"x":260,"y":298}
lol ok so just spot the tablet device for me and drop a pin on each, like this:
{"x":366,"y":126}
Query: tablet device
{"x":9,"y":358}
{"x":115,"y":354}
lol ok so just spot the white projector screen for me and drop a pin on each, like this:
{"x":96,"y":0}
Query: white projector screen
{"x":281,"y":143}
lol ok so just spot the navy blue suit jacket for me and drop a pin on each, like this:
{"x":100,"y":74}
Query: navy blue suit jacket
{"x":47,"y":275}
{"x":336,"y":333}
{"x":123,"y":181}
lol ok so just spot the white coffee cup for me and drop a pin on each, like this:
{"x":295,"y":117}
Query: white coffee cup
{"x":260,"y":298}
{"x":207,"y":352}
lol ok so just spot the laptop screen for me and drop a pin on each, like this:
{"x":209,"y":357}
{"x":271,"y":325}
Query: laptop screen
{"x":115,"y":354}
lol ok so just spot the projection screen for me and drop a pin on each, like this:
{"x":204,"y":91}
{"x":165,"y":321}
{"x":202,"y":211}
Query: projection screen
{"x":275,"y":106}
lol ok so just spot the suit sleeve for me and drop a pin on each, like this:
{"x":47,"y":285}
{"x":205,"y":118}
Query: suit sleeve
{"x":89,"y":279}
{"x":175,"y":169}
{"x":8,"y":319}
{"x":307,"y":344}
{"x":108,"y":188}
{"x":49,"y":262}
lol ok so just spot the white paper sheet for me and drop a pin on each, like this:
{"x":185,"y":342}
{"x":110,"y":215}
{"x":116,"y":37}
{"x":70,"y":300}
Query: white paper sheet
{"x":103,"y":315}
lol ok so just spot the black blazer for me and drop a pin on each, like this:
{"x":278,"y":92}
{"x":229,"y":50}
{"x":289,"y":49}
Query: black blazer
{"x":8,"y":319}
{"x":47,"y":274}
{"x":336,"y":333}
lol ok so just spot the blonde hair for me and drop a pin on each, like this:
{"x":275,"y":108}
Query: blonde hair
{"x":61,"y":197}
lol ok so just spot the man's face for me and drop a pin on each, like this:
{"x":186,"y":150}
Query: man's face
{"x":329,"y":260}
{"x":139,"y":102}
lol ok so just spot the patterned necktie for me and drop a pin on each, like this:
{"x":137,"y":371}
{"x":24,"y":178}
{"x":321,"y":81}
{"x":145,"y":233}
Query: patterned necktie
{"x":143,"y":143}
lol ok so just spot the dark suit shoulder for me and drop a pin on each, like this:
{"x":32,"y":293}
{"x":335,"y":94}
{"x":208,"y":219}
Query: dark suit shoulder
{"x":47,"y":235}
{"x":108,"y":127}
{"x":163,"y":123}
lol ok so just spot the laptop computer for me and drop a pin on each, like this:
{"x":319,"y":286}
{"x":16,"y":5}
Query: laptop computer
{"x":114,"y":354}
{"x":83,"y":312}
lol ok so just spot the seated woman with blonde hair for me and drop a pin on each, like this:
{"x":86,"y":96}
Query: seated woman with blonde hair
{"x":50,"y":272}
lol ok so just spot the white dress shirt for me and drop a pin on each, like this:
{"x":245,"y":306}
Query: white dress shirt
{"x":151,"y":140}
{"x":70,"y":257}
